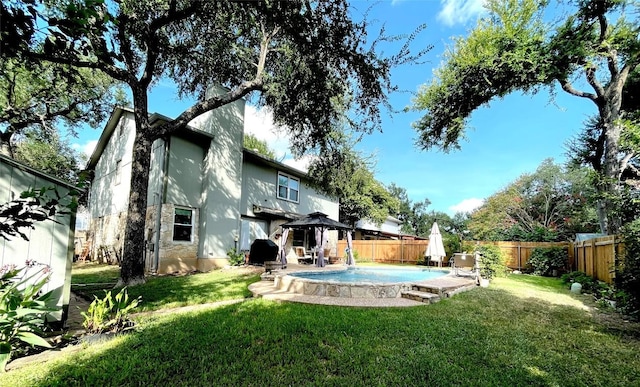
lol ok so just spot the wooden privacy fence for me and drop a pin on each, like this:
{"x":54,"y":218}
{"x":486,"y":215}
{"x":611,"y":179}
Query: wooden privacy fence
{"x":517,"y":254}
{"x":597,"y":257}
{"x":387,"y":251}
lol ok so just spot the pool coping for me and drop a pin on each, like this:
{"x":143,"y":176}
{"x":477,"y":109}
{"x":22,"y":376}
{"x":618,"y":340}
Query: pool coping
{"x":269,"y":288}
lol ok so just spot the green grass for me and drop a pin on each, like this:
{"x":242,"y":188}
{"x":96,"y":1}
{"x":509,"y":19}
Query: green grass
{"x":521,"y":331}
{"x":167,"y":291}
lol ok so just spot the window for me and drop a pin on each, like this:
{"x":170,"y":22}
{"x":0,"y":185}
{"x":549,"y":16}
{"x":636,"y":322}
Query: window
{"x":183,"y":224}
{"x":288,"y":187}
{"x":118,"y":171}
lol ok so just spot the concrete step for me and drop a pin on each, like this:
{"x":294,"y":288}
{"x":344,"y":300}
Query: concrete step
{"x":415,"y":295}
{"x":425,"y":288}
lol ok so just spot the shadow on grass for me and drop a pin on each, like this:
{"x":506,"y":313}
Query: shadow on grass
{"x":485,"y":337}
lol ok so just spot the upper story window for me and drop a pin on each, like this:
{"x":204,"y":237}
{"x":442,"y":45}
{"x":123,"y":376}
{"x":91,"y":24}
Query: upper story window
{"x":183,"y":224}
{"x":288,"y":187}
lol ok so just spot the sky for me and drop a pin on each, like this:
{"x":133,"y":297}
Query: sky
{"x":506,"y":139}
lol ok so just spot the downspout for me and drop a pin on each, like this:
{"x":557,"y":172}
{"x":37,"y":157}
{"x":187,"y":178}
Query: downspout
{"x":164,"y":175}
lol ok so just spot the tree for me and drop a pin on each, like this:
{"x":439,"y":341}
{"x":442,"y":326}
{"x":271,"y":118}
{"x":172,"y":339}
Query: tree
{"x":43,"y":97}
{"x":551,"y":204}
{"x":297,"y":57}
{"x":48,"y":153}
{"x":514,"y":48}
{"x":261,"y":147}
{"x":347,"y":175}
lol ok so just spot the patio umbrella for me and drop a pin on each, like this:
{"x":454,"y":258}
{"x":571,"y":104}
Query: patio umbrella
{"x":350,"y":260}
{"x":320,"y":221}
{"x":283,"y":245}
{"x":319,"y":247}
{"x":435,"y":249}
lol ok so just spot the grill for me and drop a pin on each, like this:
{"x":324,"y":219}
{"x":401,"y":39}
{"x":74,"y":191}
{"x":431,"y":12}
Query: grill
{"x":263,"y":250}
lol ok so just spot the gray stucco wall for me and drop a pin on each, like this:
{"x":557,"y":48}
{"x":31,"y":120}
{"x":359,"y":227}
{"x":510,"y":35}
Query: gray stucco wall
{"x":221,"y":185}
{"x":259,"y":187}
{"x":50,"y":243}
{"x":184,"y":185}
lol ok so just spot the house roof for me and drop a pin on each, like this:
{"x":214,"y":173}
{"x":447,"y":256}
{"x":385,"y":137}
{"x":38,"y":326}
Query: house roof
{"x":189,"y":132}
{"x":258,"y":158}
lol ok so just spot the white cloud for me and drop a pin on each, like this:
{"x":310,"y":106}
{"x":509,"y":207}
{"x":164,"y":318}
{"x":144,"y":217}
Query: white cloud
{"x":467,"y":205}
{"x":86,"y":148}
{"x":460,"y":11}
{"x":259,"y":122}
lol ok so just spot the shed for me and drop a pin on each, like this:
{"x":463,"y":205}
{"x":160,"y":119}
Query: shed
{"x":50,"y":243}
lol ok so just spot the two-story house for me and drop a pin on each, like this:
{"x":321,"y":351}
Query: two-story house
{"x":207,"y":194}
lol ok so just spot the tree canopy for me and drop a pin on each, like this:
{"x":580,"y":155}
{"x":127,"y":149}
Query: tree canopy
{"x":516,"y":49}
{"x":551,"y":204}
{"x":46,"y":98}
{"x":298,"y":57}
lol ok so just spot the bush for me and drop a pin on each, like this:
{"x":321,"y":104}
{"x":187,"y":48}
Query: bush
{"x":23,"y":310}
{"x":492,"y":262}
{"x":546,"y":259}
{"x":628,"y":273}
{"x":587,"y":282}
{"x":110,"y":314}
{"x":236,"y":258}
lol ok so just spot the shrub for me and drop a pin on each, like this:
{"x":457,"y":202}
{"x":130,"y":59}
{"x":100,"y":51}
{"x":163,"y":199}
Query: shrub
{"x":587,"y":282}
{"x":236,"y":258}
{"x":628,"y":276}
{"x":546,"y":259}
{"x":110,"y":314}
{"x":492,"y":262}
{"x":23,"y":310}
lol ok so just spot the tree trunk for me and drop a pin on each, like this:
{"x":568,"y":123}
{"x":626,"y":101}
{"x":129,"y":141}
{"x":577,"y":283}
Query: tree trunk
{"x":133,"y":264}
{"x":610,"y":114}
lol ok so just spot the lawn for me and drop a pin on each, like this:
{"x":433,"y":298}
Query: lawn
{"x":521,"y":331}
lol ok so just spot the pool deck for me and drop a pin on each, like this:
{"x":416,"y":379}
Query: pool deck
{"x":267,"y":290}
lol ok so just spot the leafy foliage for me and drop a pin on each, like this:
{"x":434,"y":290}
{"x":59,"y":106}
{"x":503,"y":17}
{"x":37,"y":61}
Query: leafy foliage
{"x":34,"y":205}
{"x":492,"y":261}
{"x":300,"y":58}
{"x":515,"y":48}
{"x":545,"y":259}
{"x":23,"y":309}
{"x":110,"y":314}
{"x":551,"y":204}
{"x":236,"y":258}
{"x":628,"y":273}
{"x":252,"y":143}
{"x":49,"y":153}
{"x":43,"y":97}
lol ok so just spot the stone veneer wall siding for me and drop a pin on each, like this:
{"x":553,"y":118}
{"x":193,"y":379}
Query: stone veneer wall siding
{"x":176,"y":256}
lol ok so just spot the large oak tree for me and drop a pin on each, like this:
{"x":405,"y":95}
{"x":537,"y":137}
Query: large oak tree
{"x":298,"y":57}
{"x":590,"y":54}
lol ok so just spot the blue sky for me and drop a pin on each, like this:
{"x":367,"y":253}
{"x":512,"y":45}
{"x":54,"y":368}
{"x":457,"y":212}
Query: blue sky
{"x":510,"y":137}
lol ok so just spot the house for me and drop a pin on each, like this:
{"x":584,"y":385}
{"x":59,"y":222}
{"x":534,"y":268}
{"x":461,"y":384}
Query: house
{"x":211,"y":194}
{"x":389,"y":229}
{"x":50,"y":243}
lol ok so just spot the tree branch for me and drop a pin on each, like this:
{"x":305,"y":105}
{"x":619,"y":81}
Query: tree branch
{"x":568,"y":87}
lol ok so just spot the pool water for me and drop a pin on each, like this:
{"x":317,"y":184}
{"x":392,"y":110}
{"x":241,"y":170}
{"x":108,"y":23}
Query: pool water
{"x":373,"y":275}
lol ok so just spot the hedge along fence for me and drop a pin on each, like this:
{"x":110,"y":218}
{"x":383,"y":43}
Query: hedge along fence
{"x":517,"y":254}
{"x":598,"y":257}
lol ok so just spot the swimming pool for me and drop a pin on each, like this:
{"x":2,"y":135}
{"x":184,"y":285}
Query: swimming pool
{"x":355,"y":282}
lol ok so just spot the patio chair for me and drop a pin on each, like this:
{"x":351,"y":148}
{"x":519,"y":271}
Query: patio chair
{"x":302,"y":255}
{"x":466,"y":265}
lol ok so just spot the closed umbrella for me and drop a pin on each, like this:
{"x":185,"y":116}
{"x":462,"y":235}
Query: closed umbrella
{"x":283,"y":245}
{"x":435,"y":249}
{"x":350,"y":260}
{"x":319,"y":247}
